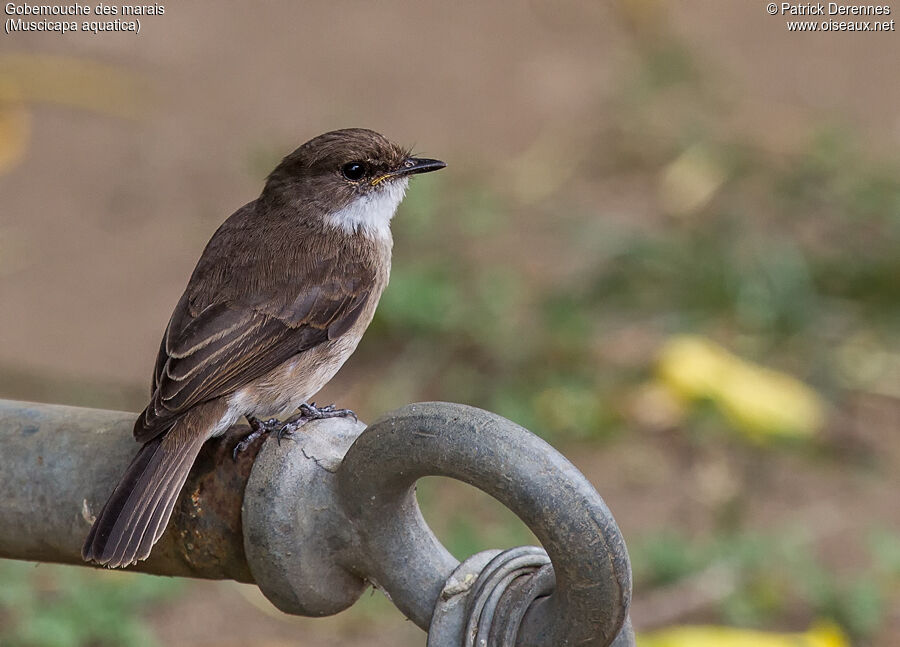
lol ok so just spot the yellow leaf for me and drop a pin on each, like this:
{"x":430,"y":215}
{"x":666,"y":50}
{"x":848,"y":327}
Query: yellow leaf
{"x":759,"y":401}
{"x":692,"y":366}
{"x":763,"y":403}
{"x":821,"y":635}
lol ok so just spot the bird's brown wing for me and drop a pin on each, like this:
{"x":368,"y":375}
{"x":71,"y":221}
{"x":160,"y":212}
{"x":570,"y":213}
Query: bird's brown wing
{"x":212,"y":349}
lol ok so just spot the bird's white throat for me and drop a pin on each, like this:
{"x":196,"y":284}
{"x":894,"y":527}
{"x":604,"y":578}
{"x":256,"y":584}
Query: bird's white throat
{"x":371,"y":214}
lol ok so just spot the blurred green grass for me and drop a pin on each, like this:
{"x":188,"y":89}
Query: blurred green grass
{"x":774,"y":572}
{"x":69,"y":606}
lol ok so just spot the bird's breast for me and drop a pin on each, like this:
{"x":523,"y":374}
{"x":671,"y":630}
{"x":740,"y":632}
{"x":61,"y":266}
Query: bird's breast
{"x":294,"y":381}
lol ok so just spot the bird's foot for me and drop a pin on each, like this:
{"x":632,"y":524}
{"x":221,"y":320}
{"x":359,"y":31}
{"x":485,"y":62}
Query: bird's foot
{"x":313,"y":412}
{"x":258,"y":428}
{"x":307,"y":413}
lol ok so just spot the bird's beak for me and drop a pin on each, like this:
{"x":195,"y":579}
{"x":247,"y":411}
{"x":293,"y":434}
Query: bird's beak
{"x":411,"y":166}
{"x":415,"y":165}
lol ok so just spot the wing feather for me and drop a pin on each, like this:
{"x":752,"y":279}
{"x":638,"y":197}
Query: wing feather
{"x":218,"y":342}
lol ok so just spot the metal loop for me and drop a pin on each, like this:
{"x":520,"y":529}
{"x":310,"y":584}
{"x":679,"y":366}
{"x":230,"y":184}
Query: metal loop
{"x":515,"y":604}
{"x":589,"y":602}
{"x":492,"y":585}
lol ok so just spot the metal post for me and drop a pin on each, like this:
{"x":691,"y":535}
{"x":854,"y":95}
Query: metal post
{"x":314,"y":520}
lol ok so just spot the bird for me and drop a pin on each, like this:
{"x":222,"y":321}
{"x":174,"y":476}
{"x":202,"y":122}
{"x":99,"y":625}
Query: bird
{"x":278,"y":301}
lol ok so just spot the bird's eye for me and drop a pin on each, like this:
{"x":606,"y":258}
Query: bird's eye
{"x":354,"y":171}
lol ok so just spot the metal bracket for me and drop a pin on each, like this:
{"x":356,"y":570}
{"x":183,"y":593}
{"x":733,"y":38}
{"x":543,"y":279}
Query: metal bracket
{"x":353,"y":518}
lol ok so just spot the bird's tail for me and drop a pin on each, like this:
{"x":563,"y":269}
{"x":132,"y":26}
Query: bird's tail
{"x":138,"y":510}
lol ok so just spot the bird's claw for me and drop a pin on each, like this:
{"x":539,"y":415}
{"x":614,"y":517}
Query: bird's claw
{"x":243,"y":444}
{"x":306,"y":413}
{"x":287,"y":430}
{"x":258,"y":428}
{"x":313,"y":412}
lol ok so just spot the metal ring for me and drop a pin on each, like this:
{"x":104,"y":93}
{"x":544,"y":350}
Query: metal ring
{"x":493,"y":583}
{"x":376,"y":483}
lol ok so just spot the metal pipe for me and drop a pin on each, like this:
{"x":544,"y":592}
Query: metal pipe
{"x":315,"y":520}
{"x":58,"y":465}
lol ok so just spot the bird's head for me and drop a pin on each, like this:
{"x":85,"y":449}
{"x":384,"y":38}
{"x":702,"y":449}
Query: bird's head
{"x":353,"y":179}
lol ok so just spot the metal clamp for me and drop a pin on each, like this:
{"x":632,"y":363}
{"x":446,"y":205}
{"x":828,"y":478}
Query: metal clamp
{"x":356,"y":520}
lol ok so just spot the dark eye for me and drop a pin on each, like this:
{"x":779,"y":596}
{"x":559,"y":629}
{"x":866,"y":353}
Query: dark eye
{"x":354,"y":171}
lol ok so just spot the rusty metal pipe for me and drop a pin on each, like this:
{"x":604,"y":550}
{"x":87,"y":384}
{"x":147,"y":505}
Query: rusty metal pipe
{"x":58,"y":465}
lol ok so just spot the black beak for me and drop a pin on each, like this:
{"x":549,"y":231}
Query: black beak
{"x":415,"y":165}
{"x":411,"y":166}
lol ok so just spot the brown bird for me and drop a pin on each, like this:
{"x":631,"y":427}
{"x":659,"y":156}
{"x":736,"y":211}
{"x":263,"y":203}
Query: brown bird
{"x":278,"y":301}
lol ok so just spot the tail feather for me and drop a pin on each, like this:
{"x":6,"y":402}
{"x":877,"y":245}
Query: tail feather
{"x":139,"y":509}
{"x":158,"y":516}
{"x":128,"y":523}
{"x":99,"y":534}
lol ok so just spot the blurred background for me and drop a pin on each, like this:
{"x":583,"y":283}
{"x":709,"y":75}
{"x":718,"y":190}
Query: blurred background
{"x":668,"y":241}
